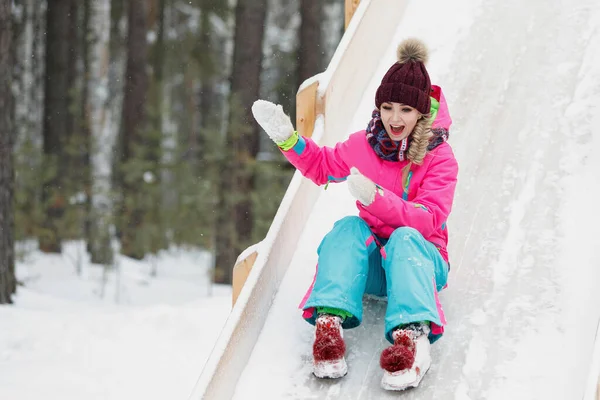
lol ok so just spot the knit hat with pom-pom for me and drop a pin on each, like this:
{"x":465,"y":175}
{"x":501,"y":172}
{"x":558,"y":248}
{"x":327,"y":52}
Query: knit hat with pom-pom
{"x":407,"y":81}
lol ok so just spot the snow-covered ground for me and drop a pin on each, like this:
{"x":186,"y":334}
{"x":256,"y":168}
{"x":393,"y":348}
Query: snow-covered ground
{"x":71,"y":337}
{"x":523,"y":84}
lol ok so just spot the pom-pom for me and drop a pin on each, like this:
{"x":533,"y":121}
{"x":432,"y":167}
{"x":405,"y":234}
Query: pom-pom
{"x":328,"y":345}
{"x":401,"y":355}
{"x":412,"y":50}
{"x":397,"y":358}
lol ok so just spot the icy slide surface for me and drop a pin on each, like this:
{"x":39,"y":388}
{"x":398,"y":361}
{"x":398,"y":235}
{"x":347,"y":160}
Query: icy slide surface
{"x":522,"y":81}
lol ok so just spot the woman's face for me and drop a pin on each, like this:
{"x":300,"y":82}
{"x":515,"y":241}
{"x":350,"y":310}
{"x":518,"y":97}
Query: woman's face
{"x":398,"y":119}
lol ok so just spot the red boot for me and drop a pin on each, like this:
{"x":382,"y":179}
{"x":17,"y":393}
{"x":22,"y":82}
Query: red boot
{"x":329,"y":348}
{"x":407,"y":360}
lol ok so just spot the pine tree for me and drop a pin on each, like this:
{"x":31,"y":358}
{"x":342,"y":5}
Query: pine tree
{"x":7,"y":258}
{"x":98,"y":121}
{"x":310,"y":53}
{"x":28,"y":83}
{"x":135,"y":169}
{"x":236,"y":218}
{"x":56,"y":126}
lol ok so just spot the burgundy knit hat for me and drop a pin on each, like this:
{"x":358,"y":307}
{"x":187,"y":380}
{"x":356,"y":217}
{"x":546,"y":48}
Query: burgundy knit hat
{"x":407,"y":81}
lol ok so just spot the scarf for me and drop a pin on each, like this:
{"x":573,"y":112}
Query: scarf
{"x":392,"y":150}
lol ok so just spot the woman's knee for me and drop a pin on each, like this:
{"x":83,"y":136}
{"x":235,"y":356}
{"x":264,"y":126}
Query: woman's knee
{"x":407,"y":247}
{"x":406,"y":233}
{"x":350,"y":221}
{"x":348,"y":233}
{"x":350,"y":227}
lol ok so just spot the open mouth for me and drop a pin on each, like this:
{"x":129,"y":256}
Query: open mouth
{"x":397,"y":129}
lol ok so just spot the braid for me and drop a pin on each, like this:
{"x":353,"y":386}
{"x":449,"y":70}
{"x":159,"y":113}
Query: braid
{"x":421,"y":136}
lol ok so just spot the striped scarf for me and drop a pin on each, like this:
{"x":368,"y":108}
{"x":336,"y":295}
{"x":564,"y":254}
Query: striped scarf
{"x":391,"y":150}
{"x":386,"y":148}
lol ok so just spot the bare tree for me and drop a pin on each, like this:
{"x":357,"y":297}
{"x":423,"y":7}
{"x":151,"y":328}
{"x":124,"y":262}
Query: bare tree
{"x":132,"y":128}
{"x":28,"y":43}
{"x":7,"y":178}
{"x":235,"y":221}
{"x":98,"y":117}
{"x":56,"y":122}
{"x":155,"y":135}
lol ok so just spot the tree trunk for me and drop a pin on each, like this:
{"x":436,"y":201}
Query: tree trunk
{"x":98,"y":120}
{"x":133,"y":127}
{"x":72,"y":120}
{"x":158,"y":239}
{"x":235,"y":221}
{"x":116,"y":89}
{"x":28,"y":44}
{"x":310,"y":52}
{"x":7,"y":177}
{"x":85,"y":43}
{"x":56,"y":111}
{"x":206,"y":92}
{"x":38,"y":70}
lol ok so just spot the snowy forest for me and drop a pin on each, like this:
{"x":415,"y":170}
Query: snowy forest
{"x":126,"y":123}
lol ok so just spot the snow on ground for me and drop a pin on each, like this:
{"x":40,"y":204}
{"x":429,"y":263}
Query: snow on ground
{"x":68,"y":336}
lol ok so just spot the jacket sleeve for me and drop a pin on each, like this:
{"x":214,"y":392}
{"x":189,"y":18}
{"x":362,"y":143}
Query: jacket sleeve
{"x":430,"y":208}
{"x":320,"y":164}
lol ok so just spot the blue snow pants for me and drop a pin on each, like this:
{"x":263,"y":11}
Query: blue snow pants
{"x":406,"y":268}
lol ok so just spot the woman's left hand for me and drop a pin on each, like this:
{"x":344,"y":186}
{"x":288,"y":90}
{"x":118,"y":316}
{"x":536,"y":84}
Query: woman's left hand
{"x":361,"y":187}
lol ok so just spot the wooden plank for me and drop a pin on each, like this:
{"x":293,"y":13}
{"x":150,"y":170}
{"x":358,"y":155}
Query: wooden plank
{"x":306,"y":109}
{"x":241,"y":270}
{"x":351,"y":6}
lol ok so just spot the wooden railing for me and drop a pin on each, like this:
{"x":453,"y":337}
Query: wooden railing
{"x":350,"y":8}
{"x":308,"y":106}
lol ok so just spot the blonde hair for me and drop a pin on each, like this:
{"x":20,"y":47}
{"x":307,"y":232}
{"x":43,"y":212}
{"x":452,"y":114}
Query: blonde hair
{"x":421,"y":135}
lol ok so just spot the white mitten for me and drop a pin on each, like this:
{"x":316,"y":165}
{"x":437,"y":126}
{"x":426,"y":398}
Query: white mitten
{"x":273,"y":120}
{"x":361,"y":187}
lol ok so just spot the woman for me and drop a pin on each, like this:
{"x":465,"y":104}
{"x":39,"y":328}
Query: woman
{"x":403,"y":174}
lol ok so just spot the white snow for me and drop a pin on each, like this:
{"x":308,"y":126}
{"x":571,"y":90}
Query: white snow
{"x":523,"y":305}
{"x":144,"y":337}
{"x":255,"y":248}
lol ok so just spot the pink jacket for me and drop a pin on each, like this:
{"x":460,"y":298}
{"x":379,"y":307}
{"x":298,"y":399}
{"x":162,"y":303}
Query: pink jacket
{"x":422,"y":199}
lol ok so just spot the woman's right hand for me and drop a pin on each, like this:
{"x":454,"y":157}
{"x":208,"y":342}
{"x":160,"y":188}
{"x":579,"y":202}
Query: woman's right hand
{"x":273,"y":120}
